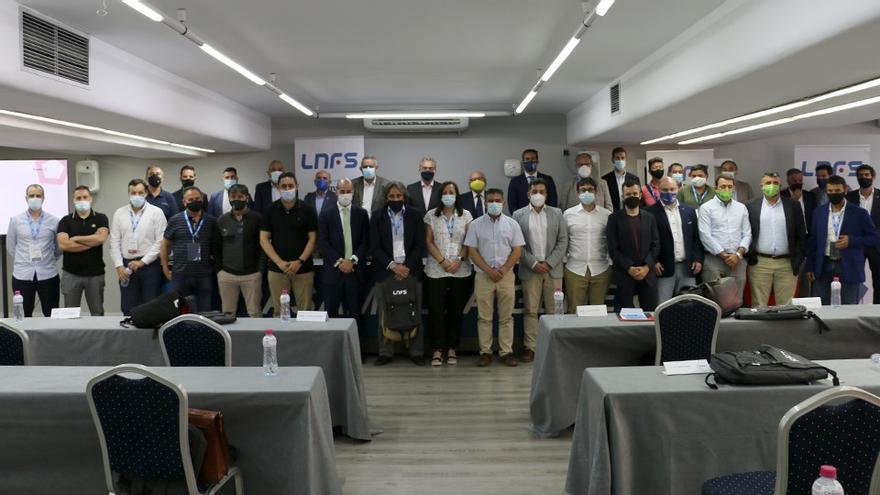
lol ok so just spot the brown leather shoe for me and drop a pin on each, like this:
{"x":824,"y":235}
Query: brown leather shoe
{"x":527,"y":356}
{"x":485,"y":360}
{"x":509,"y":360}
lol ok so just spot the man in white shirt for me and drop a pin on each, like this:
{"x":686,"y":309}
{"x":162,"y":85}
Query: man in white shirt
{"x":587,"y":271}
{"x":425,"y":194}
{"x":369,"y":188}
{"x":725,"y":233}
{"x":136,"y":233}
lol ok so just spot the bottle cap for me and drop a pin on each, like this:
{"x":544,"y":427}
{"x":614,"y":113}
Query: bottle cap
{"x":284,"y":291}
{"x":826,"y":471}
{"x":835,"y":279}
{"x":18,"y":293}
{"x":270,"y":332}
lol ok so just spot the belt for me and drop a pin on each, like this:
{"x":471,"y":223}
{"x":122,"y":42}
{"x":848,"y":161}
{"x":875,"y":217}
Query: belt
{"x":773,"y":256}
{"x":134,"y":259}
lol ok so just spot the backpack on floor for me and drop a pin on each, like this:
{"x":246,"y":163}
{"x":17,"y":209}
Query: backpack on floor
{"x":155,"y":313}
{"x":400,"y":313}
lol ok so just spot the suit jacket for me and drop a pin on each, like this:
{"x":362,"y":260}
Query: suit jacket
{"x":263,"y":197}
{"x":329,"y":201}
{"x":743,"y":191}
{"x":382,"y":240}
{"x":215,"y":204}
{"x":332,"y":243}
{"x":794,"y":230}
{"x":414,"y":193}
{"x":858,"y":226}
{"x":693,"y":248}
{"x":467,"y":202}
{"x":556,"y":246}
{"x":570,"y":195}
{"x":518,"y":192}
{"x":809,"y":205}
{"x":611,"y":182}
{"x":621,"y":246}
{"x":378,"y":192}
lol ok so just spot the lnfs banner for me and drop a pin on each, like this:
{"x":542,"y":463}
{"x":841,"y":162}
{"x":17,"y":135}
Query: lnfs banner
{"x":843,"y":159}
{"x":341,"y":156}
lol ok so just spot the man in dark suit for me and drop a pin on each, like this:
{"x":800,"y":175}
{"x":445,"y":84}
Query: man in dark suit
{"x":426,"y":188}
{"x":823,"y":173}
{"x":868,"y":198}
{"x":634,"y":244}
{"x":795,"y":192}
{"x":267,"y":192}
{"x":219,"y":202}
{"x":681,"y":252}
{"x":518,"y":189}
{"x":323,"y":198}
{"x":474,"y":200}
{"x":838,"y":237}
{"x":778,"y":242}
{"x":397,"y":241}
{"x":343,"y":238}
{"x":617,"y":177}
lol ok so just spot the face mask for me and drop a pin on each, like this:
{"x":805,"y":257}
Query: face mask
{"x":729,"y":175}
{"x":724,"y":196}
{"x":322,"y":184}
{"x":369,"y":172}
{"x":668,"y":197}
{"x":835,"y":198}
{"x":657,"y":174}
{"x":678,"y":177}
{"x":227,"y":183}
{"x":275,"y":176}
{"x":288,"y":195}
{"x":822,"y":183}
{"x":698,"y":181}
{"x":619,"y":164}
{"x":188,"y":182}
{"x":395,"y":206}
{"x":770,"y":190}
{"x":537,"y":200}
{"x":154,"y":180}
{"x":477,"y":185}
{"x":137,"y":201}
{"x":238,"y":204}
{"x":494,"y":209}
{"x":795,"y":187}
{"x":584,"y":171}
{"x":82,"y":206}
{"x":194,"y":206}
{"x":865,"y":182}
{"x":344,"y":200}
{"x":448,"y":199}
{"x":530,"y":167}
{"x":427,"y":175}
{"x":632,"y":202}
{"x":35,"y":203}
{"x":587,"y":198}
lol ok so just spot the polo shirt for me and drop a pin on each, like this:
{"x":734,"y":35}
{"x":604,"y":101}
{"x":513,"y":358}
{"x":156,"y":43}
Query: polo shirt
{"x":164,"y":201}
{"x":178,"y":233}
{"x":90,"y":262}
{"x":290,"y":231}
{"x":236,"y":244}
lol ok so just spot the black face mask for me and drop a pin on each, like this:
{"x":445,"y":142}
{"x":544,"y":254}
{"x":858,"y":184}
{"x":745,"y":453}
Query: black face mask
{"x":632,"y":202}
{"x":866,"y":182}
{"x":154,"y":180}
{"x":795,"y":187}
{"x":238,"y":204}
{"x":395,"y":206}
{"x":188,"y":182}
{"x":835,"y":198}
{"x":194,"y":206}
{"x":657,"y":174}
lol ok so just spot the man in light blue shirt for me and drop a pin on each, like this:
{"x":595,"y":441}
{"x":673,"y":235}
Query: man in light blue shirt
{"x":725,"y":233}
{"x":31,"y":242}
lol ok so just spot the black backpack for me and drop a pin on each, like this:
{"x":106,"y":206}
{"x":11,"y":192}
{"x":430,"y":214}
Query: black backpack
{"x":767,"y":366}
{"x":155,"y":313}
{"x":783,"y":312}
{"x":401,"y":314}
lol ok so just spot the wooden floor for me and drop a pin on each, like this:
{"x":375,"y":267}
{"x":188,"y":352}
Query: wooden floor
{"x":451,"y":430}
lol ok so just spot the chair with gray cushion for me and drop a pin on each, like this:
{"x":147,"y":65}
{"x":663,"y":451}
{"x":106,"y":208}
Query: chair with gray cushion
{"x":193,"y":340}
{"x":14,"y":346}
{"x":845,"y":435}
{"x":686,"y":327}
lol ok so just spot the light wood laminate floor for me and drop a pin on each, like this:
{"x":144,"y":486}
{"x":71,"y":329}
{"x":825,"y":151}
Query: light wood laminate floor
{"x":451,"y":430}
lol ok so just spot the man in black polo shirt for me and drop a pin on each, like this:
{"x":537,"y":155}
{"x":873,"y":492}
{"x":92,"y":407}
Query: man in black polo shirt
{"x":288,"y":235}
{"x":188,"y":235}
{"x":236,"y":248}
{"x":81,"y":236}
{"x":159,"y":197}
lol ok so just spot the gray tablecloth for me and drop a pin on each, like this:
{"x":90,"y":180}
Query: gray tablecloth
{"x":643,"y":432}
{"x":569,"y":345}
{"x":332,"y":345}
{"x":280,"y":426}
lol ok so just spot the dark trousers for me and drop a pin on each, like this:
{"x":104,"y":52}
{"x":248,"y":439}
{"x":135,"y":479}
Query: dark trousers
{"x":144,"y":285}
{"x":628,"y":287}
{"x":49,"y":291}
{"x":348,"y":291}
{"x":194,"y":285}
{"x":873,"y":256}
{"x":849,"y":293}
{"x":446,"y":298}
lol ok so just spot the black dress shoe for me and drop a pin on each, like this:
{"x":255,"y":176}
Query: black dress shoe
{"x":382,"y":360}
{"x":418,"y":360}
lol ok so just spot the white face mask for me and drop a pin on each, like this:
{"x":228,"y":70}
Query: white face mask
{"x":494,"y":209}
{"x":537,"y":200}
{"x":698,"y":181}
{"x":288,"y":195}
{"x":275,"y":176}
{"x":344,"y":200}
{"x":35,"y":204}
{"x":584,"y":171}
{"x":82,"y":206}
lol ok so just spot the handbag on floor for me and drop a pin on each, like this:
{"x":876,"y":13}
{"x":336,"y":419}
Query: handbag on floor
{"x":724,"y":291}
{"x":784,"y":312}
{"x":766,"y":366}
{"x":216,"y":462}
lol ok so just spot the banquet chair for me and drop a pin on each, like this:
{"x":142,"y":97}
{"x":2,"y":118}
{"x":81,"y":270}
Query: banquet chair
{"x":15,"y":346}
{"x":143,"y":429}
{"x":813,"y":433}
{"x":193,"y":340}
{"x":686,"y":327}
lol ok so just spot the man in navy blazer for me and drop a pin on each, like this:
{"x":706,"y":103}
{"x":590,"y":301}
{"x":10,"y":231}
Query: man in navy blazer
{"x":681,"y":252}
{"x":267,"y":192}
{"x":219,"y":202}
{"x":474,"y":200}
{"x":322,"y":194}
{"x":841,"y":252}
{"x":868,"y":197}
{"x":617,"y":177}
{"x":518,"y":189}
{"x":417,"y":191}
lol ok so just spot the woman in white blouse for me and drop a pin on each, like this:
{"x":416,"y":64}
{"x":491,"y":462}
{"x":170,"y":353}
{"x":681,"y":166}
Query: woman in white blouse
{"x":447,"y":273}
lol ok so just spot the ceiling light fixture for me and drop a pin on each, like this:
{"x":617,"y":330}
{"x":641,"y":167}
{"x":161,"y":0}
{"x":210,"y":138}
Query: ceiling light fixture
{"x":295,"y":104}
{"x":415,"y":115}
{"x":603,"y":7}
{"x":145,"y":10}
{"x":232,"y":64}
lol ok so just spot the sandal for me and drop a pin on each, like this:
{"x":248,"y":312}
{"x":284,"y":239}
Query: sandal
{"x":437,"y":360}
{"x":451,"y":358}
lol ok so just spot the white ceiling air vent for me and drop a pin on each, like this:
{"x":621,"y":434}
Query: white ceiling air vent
{"x":615,"y":98}
{"x":51,"y":49}
{"x":416,"y":125}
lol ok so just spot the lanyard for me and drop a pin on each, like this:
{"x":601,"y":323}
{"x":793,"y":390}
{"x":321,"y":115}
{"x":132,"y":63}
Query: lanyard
{"x":135,"y":219}
{"x":837,"y":222}
{"x":699,"y":198}
{"x":189,"y":225}
{"x":656,"y":193}
{"x":35,"y":231}
{"x":397,"y":225}
{"x":450,"y":226}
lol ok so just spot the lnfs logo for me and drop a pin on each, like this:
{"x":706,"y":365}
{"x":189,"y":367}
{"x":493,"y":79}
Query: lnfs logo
{"x":842,"y":168}
{"x":329,"y":160}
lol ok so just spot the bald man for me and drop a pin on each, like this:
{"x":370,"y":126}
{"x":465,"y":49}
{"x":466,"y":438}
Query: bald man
{"x":474,"y":200}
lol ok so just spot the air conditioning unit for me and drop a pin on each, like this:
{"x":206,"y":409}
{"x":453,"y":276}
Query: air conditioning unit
{"x":416,"y":125}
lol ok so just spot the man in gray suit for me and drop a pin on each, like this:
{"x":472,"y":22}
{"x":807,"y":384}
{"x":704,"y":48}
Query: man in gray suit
{"x":368,"y":189}
{"x":540,"y":267}
{"x":569,"y":198}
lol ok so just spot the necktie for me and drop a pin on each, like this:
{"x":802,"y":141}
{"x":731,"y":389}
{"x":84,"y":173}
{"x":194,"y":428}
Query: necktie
{"x":479,"y":206}
{"x":346,"y":233}
{"x":529,"y":177}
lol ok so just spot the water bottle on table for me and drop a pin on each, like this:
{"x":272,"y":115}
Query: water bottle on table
{"x":827,"y":483}
{"x":835,"y":292}
{"x":558,"y":303}
{"x":270,"y":354}
{"x":285,"y":305}
{"x":18,"y":307}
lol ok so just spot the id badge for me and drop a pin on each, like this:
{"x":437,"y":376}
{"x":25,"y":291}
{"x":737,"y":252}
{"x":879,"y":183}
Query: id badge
{"x":399,"y":250}
{"x":194,"y":251}
{"x":35,"y":253}
{"x":132,"y":246}
{"x":452,"y":250}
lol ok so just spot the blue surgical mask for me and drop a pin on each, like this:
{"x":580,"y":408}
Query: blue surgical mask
{"x":137,"y":201}
{"x":494,"y":209}
{"x":587,"y":197}
{"x":322,"y":184}
{"x":369,"y":172}
{"x":448,"y":199}
{"x":82,"y":206}
{"x":35,"y":203}
{"x":620,"y":164}
{"x":288,"y":195}
{"x":276,"y":175}
{"x":668,"y":197}
{"x":678,"y":178}
{"x":227,"y":183}
{"x":530,"y":166}
{"x":822,"y":183}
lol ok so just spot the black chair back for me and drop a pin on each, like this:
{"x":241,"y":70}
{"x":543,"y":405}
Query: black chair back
{"x":193,"y":340}
{"x":686,"y":327}
{"x":14,"y":346}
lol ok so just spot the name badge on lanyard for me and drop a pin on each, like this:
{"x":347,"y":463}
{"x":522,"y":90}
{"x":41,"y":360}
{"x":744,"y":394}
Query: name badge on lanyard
{"x":132,"y":240}
{"x":452,"y":247}
{"x":194,"y":249}
{"x":34,"y":252}
{"x":399,"y":251}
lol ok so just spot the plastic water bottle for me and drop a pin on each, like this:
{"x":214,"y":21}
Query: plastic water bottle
{"x":558,"y":303}
{"x":835,"y":292}
{"x":124,"y":283}
{"x":827,"y":483}
{"x":18,"y":307}
{"x":285,"y":305}
{"x":270,"y":354}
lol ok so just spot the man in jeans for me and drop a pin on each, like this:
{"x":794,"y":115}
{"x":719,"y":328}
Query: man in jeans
{"x":235,"y":244}
{"x":188,"y":234}
{"x":81,"y":237}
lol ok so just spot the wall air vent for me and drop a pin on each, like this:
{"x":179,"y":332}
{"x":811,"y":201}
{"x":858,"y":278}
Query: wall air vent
{"x":52,"y":49}
{"x":615,"y":98}
{"x":416,"y":125}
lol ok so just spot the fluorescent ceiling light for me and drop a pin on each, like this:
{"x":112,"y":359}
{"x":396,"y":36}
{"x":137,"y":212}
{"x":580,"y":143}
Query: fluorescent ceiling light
{"x":523,"y":104}
{"x":232,"y":64}
{"x":786,"y":120}
{"x":144,"y":9}
{"x":557,"y":62}
{"x":415,"y":115}
{"x":295,"y":104}
{"x":603,"y":7}
{"x":111,"y":132}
